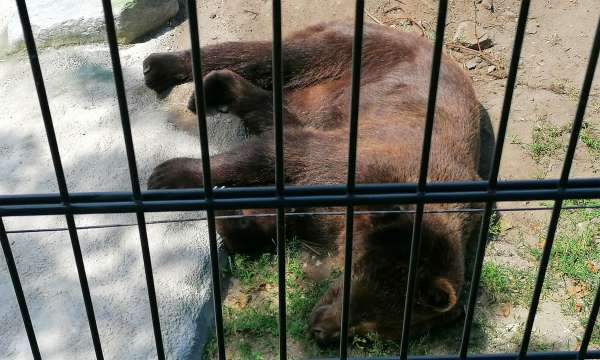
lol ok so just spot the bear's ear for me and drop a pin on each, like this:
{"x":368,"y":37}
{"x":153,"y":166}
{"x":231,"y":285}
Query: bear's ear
{"x":439,"y":294}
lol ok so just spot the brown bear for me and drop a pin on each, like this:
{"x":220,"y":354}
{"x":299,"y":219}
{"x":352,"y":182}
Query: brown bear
{"x":396,"y":70}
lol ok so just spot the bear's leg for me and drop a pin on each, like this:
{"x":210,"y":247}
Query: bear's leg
{"x":250,"y":164}
{"x":227,"y":91}
{"x":246,"y":166}
{"x":320,"y":52}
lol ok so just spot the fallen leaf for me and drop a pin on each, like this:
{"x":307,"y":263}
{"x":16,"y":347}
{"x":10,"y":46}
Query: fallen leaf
{"x":577,"y":290}
{"x":592,"y":267}
{"x":505,"y":309}
{"x":578,"y":307}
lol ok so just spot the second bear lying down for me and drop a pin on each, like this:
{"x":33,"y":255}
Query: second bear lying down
{"x":317,"y":75}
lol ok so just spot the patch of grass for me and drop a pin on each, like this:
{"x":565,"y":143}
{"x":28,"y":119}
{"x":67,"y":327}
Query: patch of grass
{"x":546,"y":141}
{"x":576,"y":252}
{"x":575,"y":261}
{"x":590,"y":137}
{"x":247,"y":352}
{"x":252,"y":272}
{"x":259,"y":321}
{"x":495,"y":226}
{"x":505,"y":284}
{"x":251,"y":325}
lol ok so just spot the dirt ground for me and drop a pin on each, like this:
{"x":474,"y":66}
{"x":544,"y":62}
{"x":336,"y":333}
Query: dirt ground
{"x":557,"y":45}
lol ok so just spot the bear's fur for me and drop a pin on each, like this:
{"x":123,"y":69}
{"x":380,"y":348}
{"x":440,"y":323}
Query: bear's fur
{"x":396,"y":70}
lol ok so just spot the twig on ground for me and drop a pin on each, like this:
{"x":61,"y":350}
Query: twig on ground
{"x":373,"y":17}
{"x":393,"y":9}
{"x":315,"y":251}
{"x":481,"y":54}
{"x":415,"y":22}
{"x":252,"y":13}
{"x":412,"y":21}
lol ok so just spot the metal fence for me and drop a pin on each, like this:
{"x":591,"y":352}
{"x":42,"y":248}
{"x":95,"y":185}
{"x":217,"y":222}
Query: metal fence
{"x":281,"y":197}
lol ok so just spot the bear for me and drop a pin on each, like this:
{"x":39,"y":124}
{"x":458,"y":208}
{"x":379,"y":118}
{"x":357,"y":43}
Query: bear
{"x":317,"y":75}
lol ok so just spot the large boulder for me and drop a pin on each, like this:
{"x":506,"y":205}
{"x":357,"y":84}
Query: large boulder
{"x":64,"y":22}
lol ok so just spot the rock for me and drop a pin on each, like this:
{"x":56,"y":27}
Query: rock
{"x":472,"y":64}
{"x":491,"y":69}
{"x":488,"y":4}
{"x":465,"y":35}
{"x":532,"y":26}
{"x":64,"y":22}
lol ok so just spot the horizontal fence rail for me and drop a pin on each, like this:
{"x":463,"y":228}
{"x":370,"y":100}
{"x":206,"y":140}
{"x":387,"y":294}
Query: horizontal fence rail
{"x":350,"y":196}
{"x":190,"y":200}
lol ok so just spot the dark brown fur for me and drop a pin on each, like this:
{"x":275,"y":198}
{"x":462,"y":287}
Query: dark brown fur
{"x":394,"y":89}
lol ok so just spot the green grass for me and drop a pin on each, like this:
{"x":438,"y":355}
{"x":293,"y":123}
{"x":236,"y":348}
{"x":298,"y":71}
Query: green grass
{"x":576,"y":252}
{"x":575,"y":260}
{"x":546,"y":141}
{"x":505,"y":284}
{"x":590,"y":137}
{"x":252,"y":329}
{"x":495,"y":227}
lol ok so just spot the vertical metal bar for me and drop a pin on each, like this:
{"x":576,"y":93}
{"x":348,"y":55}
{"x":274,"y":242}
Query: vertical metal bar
{"x":589,"y":329}
{"x":58,"y":169}
{"x":206,"y":174}
{"x":417,"y":228}
{"x":564,"y":179}
{"x":351,"y":182}
{"x":279,"y":171}
{"x":133,"y":173}
{"x":493,"y":178}
{"x":14,"y":276}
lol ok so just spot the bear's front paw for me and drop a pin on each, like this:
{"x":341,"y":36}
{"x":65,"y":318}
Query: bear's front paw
{"x":162,"y":71}
{"x":178,"y":173}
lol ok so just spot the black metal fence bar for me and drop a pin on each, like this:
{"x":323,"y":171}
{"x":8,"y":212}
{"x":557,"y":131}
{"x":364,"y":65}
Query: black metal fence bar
{"x":279,"y":172}
{"x":60,"y":176}
{"x":206,"y":174}
{"x":415,"y":246}
{"x":493,"y":177}
{"x":133,"y":173}
{"x":351,"y":175}
{"x":589,"y":328}
{"x":301,"y":200}
{"x":564,"y":178}
{"x":504,"y":187}
{"x":14,"y":277}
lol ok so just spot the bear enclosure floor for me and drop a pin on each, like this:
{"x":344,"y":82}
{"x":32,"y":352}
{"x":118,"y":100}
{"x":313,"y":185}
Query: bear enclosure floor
{"x":551,"y":71}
